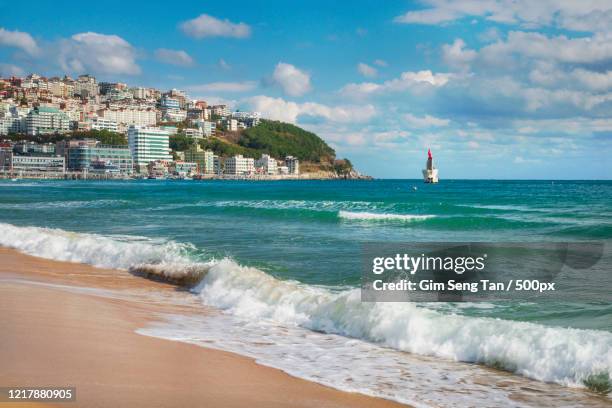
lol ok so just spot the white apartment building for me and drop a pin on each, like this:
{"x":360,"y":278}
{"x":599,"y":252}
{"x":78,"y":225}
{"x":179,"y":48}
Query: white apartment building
{"x":43,"y":120}
{"x":208,"y":128}
{"x":239,"y":166}
{"x":194,"y":133}
{"x":61,"y":89}
{"x":12,"y":119}
{"x":86,"y":85}
{"x":220,"y":110}
{"x":130,"y":116}
{"x":232,"y":125}
{"x":148,"y":144}
{"x":293,"y":165}
{"x":104,"y":124}
{"x":140,"y":92}
{"x":266,"y":164}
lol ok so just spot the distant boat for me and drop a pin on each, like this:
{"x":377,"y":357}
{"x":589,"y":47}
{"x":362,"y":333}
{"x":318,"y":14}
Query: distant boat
{"x":13,"y":179}
{"x":430,"y":173}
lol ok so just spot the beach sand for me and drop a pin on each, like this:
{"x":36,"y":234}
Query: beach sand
{"x":51,"y":335}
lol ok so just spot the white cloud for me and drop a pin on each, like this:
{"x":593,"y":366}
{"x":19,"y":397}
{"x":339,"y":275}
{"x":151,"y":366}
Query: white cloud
{"x":10,"y":70}
{"x":592,"y":15}
{"x":97,"y":53}
{"x":583,"y":50}
{"x":19,"y":39}
{"x":292,"y":80}
{"x":596,"y":81}
{"x":288,"y":111}
{"x":425,"y":121}
{"x":407,"y":80}
{"x":174,"y":57}
{"x":380,"y":63}
{"x":244,"y":86}
{"x":205,"y":26}
{"x":457,"y":55}
{"x":366,"y":70}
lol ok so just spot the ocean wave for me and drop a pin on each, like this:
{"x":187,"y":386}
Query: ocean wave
{"x":561,"y":355}
{"x":369,"y":216}
{"x":552,"y":354}
{"x":97,"y":250}
{"x":312,"y":205}
{"x":62,"y":204}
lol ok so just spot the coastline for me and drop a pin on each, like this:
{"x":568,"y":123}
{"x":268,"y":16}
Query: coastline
{"x":68,"y":324}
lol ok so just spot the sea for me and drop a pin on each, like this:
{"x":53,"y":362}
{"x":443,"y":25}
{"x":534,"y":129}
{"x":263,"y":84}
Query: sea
{"x":280,"y":262}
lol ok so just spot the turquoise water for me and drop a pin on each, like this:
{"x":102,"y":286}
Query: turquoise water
{"x":294,"y":252}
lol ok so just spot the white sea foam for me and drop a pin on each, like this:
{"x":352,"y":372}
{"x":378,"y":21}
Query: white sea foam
{"x":552,"y":354}
{"x":107,"y":252}
{"x":369,"y":216}
{"x":62,"y":204}
{"x":564,"y":356}
{"x":312,"y":205}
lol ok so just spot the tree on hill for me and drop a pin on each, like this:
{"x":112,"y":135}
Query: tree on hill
{"x":180,"y":142}
{"x":104,"y":136}
{"x":280,"y":139}
{"x":343,"y":166}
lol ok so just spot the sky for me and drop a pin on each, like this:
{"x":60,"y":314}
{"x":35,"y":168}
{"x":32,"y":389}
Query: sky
{"x":504,"y":89}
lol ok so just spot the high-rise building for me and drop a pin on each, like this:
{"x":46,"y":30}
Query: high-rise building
{"x":43,"y":120}
{"x":148,"y":144}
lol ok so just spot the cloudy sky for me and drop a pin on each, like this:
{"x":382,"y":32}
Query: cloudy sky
{"x":496,"y":88}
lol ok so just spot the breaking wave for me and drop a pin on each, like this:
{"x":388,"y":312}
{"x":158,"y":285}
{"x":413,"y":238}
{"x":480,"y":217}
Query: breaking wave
{"x":369,"y":216}
{"x":565,"y":356}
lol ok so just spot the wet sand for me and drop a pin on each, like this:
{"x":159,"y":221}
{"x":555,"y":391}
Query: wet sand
{"x":51,"y":335}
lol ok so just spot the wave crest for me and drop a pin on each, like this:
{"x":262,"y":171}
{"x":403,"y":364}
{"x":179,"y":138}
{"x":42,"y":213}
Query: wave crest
{"x":369,"y":216}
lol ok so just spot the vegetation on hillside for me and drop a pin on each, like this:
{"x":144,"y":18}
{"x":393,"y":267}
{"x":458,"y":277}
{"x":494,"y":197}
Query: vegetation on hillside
{"x":104,"y":136}
{"x":280,"y":139}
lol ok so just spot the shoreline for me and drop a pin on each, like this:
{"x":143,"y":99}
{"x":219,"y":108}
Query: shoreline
{"x":75,"y":335}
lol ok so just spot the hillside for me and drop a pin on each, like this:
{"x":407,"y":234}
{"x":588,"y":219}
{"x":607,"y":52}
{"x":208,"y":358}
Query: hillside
{"x":278,"y":139}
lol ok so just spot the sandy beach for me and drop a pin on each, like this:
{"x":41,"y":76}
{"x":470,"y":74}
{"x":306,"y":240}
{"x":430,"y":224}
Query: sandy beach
{"x":52,"y":335}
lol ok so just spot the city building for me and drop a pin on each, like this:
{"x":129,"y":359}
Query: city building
{"x":24,"y":147}
{"x":293,"y":165}
{"x":171,"y":109}
{"x":85,"y":156}
{"x":86,"y":86}
{"x":183,"y":169}
{"x":220,"y":110}
{"x":130,"y":115}
{"x":231,"y":125}
{"x":208,"y":128}
{"x":44,"y":120}
{"x":194,"y":133}
{"x":140,"y":92}
{"x":239,"y":165}
{"x":98,"y":123}
{"x":24,"y":163}
{"x":249,"y":119}
{"x":148,"y":144}
{"x":266,"y":165}
{"x":205,"y":159}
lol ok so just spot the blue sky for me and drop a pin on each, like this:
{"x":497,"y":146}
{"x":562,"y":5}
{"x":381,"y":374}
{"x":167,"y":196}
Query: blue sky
{"x":496,"y":88}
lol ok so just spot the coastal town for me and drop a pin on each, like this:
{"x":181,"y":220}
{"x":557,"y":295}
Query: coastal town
{"x":44,"y":124}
